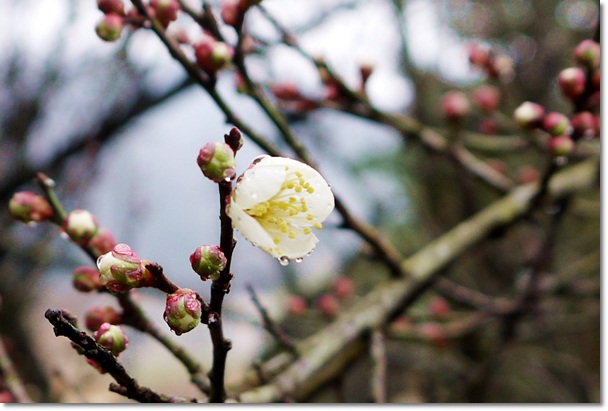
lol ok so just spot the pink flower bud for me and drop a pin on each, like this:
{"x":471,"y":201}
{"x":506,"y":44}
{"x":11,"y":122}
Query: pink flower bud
{"x":211,"y":54}
{"x":439,"y":307}
{"x":27,"y":207}
{"x":487,"y":98}
{"x":99,"y":315}
{"x":216,"y":161}
{"x":572,"y":82}
{"x":80,"y":226}
{"x":583,"y":124}
{"x":587,"y":53}
{"x":208,"y":261}
{"x":110,"y":27}
{"x":561,"y":146}
{"x":479,"y":55}
{"x":165,"y":11}
{"x":501,"y":66}
{"x":343,"y":287}
{"x":230,"y":11}
{"x":183,"y":310}
{"x":111,"y":7}
{"x":286,"y":91}
{"x":328,"y":304}
{"x":102,"y":242}
{"x":296,"y":305}
{"x":455,"y":105}
{"x":527,"y":174}
{"x":488,"y":126}
{"x":529,"y":115}
{"x":234,"y":139}
{"x":557,"y":124}
{"x":121,"y":270}
{"x":111,"y":337}
{"x":86,"y":279}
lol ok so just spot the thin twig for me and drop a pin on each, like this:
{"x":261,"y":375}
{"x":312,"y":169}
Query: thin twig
{"x":378,"y":356}
{"x":270,"y":326}
{"x":13,"y":382}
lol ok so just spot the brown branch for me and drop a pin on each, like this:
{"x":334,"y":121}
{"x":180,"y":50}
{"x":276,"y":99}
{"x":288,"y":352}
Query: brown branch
{"x":103,"y":357}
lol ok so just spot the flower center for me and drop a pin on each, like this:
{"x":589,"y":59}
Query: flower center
{"x":287,"y":212}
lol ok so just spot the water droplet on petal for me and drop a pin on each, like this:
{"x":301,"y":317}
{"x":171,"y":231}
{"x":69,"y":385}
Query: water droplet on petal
{"x":64,"y":235}
{"x":32,"y":224}
{"x":284,"y":261}
{"x":298,"y":260}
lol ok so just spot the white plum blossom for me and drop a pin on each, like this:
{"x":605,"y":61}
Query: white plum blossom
{"x":276,"y":205}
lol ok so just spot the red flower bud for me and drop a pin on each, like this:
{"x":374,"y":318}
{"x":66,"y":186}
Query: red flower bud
{"x":208,"y":261}
{"x":86,"y":279}
{"x":328,"y":304}
{"x":487,"y":98}
{"x":529,"y":115}
{"x":343,"y":287}
{"x":111,"y":7}
{"x":99,"y":315}
{"x":556,"y":124}
{"x":561,"y":146}
{"x":479,"y":55}
{"x":165,"y":11}
{"x":439,"y":307}
{"x":583,"y":124}
{"x":286,"y":91}
{"x":296,"y":305}
{"x":182,"y":311}
{"x":212,"y":55}
{"x":102,"y":242}
{"x":111,"y":337}
{"x":27,"y":207}
{"x":110,"y":27}
{"x":455,"y":105}
{"x":587,"y":53}
{"x":572,"y":82}
{"x":216,"y":161}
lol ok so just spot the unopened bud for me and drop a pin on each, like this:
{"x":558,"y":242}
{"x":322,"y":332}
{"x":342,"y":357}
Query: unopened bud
{"x":183,"y":311}
{"x":230,"y":11}
{"x":165,"y":11}
{"x":99,"y":315}
{"x":501,"y":66}
{"x":211,"y":54}
{"x":80,"y":226}
{"x":216,"y":161}
{"x":556,"y":124}
{"x":488,"y":126}
{"x":527,"y":174}
{"x":572,"y":82}
{"x":439,"y":307}
{"x":296,"y":305}
{"x":455,"y":105}
{"x":583,"y":124}
{"x":111,"y":7}
{"x":27,"y":207}
{"x":587,"y":53}
{"x":121,"y":270}
{"x":112,"y":337}
{"x":487,"y":98}
{"x":328,"y":305}
{"x":529,"y":115}
{"x":110,"y":27}
{"x":286,"y":91}
{"x":86,"y":279}
{"x":561,"y":146}
{"x":234,"y":139}
{"x":343,"y":287}
{"x":208,"y":261}
{"x":479,"y":55}
{"x":102,"y":242}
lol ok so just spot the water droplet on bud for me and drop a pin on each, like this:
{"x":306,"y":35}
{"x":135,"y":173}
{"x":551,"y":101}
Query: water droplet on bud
{"x":284,"y":261}
{"x":298,"y":260}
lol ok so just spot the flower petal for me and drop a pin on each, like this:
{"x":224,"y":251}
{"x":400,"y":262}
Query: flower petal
{"x":259,"y":183}
{"x":249,"y":227}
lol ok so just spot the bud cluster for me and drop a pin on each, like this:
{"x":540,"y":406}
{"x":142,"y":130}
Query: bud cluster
{"x":110,"y":27}
{"x":495,"y":65}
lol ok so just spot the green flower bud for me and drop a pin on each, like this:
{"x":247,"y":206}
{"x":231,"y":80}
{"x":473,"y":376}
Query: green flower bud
{"x":216,"y":161}
{"x":208,"y":261}
{"x":111,"y":337}
{"x":86,"y":279}
{"x":27,"y":207}
{"x":183,"y":311}
{"x":121,"y":270}
{"x":80,"y":226}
